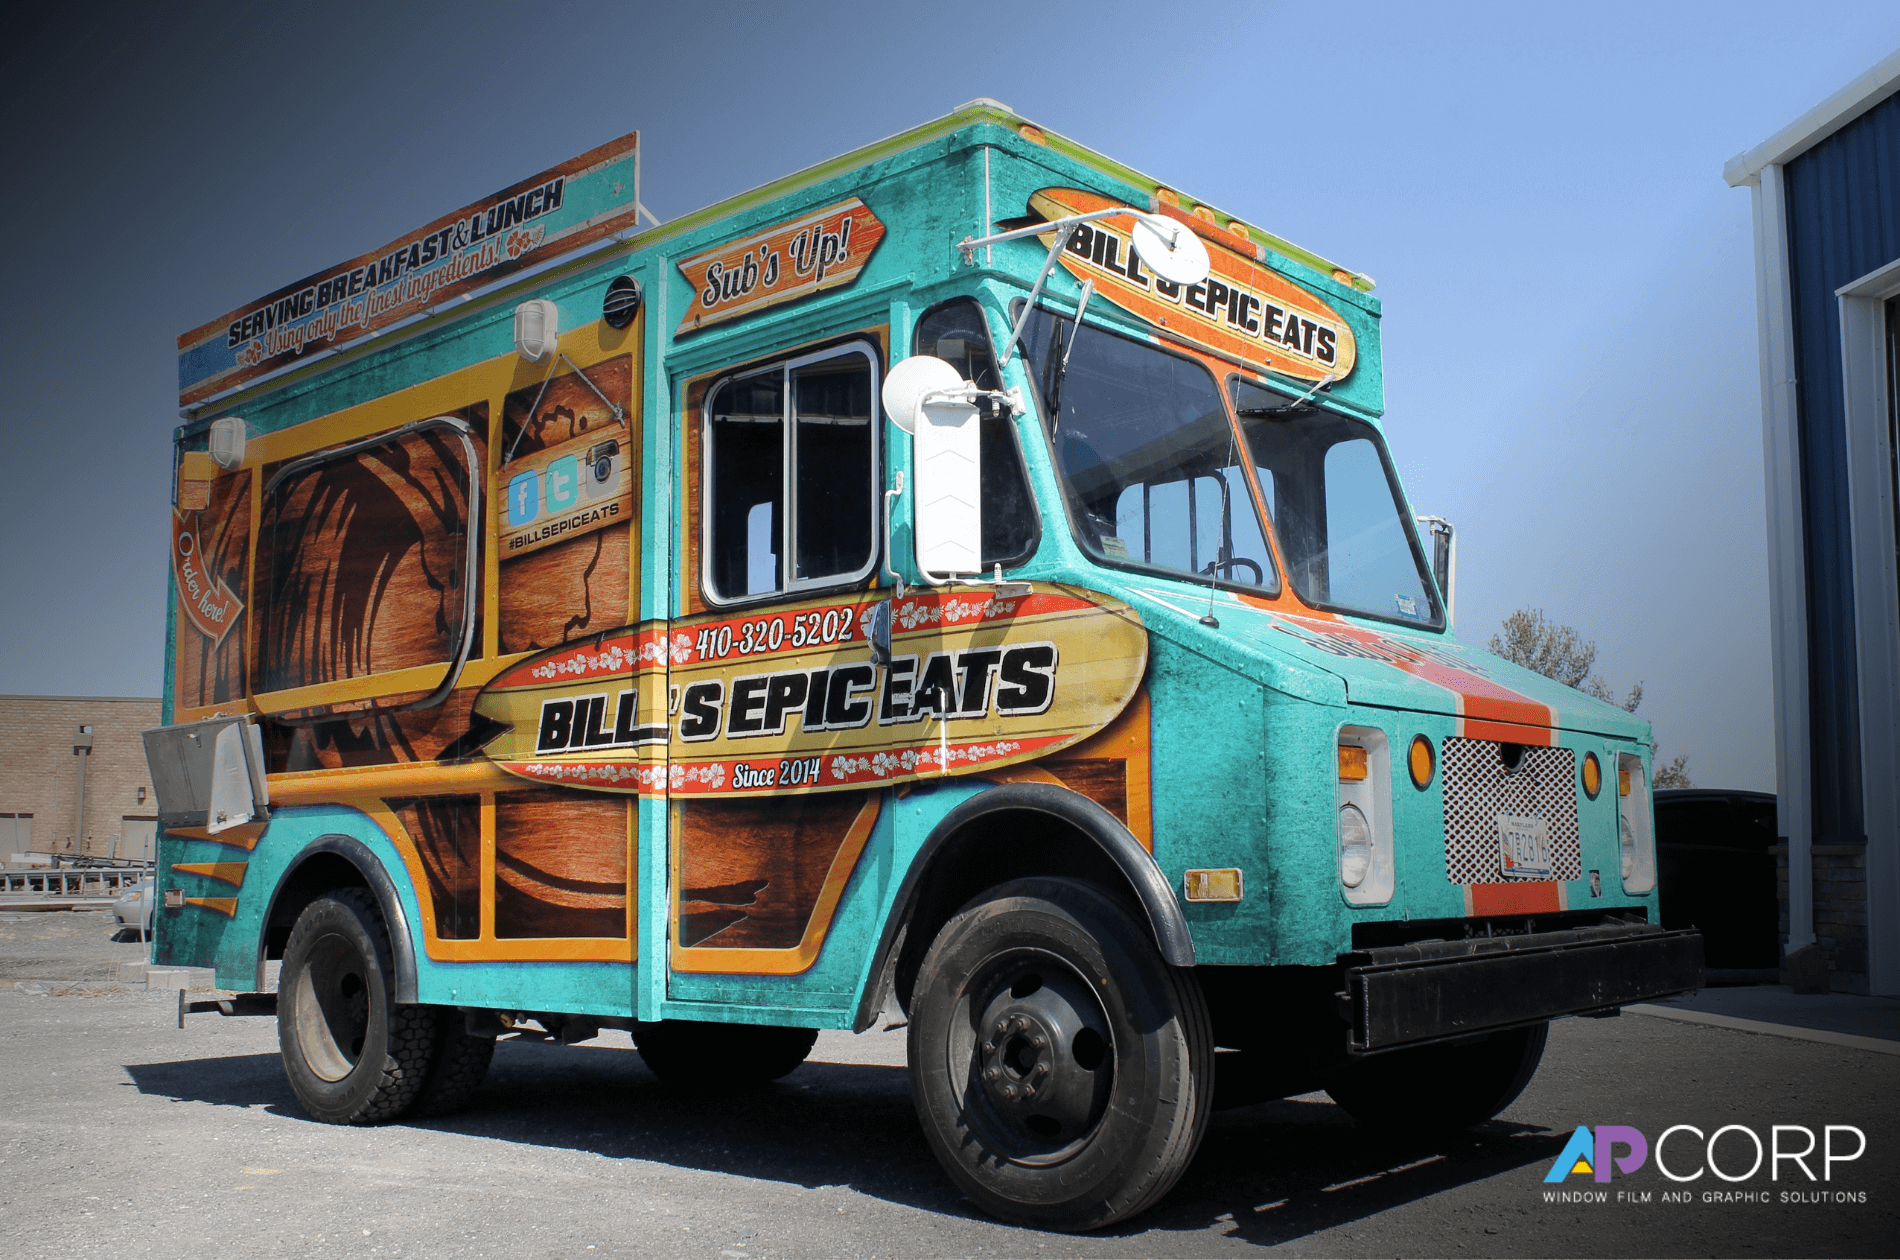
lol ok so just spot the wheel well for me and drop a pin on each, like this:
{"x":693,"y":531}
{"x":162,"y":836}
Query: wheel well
{"x":316,"y":875}
{"x":987,"y":851}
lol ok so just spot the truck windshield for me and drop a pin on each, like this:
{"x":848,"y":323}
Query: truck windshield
{"x":1149,"y":461}
{"x":1337,"y":509}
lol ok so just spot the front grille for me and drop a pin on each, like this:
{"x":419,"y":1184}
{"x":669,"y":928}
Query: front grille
{"x":1478,"y":788}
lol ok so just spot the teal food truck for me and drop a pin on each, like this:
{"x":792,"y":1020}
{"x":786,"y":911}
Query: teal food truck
{"x":963,"y":584}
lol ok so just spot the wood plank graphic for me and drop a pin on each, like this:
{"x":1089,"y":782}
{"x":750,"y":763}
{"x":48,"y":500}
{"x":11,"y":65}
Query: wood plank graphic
{"x":210,"y":562}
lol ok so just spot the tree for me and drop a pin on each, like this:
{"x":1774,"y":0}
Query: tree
{"x":1560,"y":653}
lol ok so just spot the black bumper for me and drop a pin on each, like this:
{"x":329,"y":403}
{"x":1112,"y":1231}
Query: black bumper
{"x":1405,"y":995}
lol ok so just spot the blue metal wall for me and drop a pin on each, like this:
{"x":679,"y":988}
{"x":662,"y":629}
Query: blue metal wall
{"x":1843,"y":222}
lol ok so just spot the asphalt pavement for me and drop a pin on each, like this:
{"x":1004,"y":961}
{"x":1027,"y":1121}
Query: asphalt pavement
{"x":122,"y":1135}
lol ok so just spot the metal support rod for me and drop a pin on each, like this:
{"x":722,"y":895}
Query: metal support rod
{"x":969,"y":244}
{"x":1009,"y":347}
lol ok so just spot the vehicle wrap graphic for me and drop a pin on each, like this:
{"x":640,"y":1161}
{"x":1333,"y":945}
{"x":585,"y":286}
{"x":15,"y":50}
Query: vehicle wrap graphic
{"x":788,"y":700}
{"x":1244,"y":312}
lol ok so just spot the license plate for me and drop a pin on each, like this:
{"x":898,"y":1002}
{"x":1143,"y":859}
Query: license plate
{"x":1523,"y":847}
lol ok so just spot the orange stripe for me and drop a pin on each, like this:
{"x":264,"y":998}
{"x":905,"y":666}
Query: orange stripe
{"x":226,"y":906}
{"x":231,"y":873}
{"x":1538,"y":897}
{"x":1487,"y":710}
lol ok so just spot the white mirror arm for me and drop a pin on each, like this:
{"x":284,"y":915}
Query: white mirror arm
{"x":1062,"y":239}
{"x":1166,"y":227}
{"x":970,"y":394}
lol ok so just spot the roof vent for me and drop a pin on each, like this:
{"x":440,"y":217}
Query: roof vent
{"x":622,"y":302}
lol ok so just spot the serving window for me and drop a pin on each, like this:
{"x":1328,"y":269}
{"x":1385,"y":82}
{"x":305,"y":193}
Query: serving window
{"x":791,"y":476}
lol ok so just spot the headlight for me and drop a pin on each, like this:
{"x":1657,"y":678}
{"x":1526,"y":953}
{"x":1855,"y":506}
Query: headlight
{"x":1355,"y":846}
{"x":1363,"y":817}
{"x":1634,"y":822}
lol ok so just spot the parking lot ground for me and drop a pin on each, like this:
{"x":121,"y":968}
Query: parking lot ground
{"x":122,"y":1135}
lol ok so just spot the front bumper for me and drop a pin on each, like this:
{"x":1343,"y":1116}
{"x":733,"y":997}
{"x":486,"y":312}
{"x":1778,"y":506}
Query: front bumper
{"x":1405,"y":995}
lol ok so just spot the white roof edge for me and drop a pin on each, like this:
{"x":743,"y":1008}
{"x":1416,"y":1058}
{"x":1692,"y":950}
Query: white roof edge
{"x":1817,"y":124}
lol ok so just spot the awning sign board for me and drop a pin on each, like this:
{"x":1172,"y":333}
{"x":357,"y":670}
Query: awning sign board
{"x":556,"y":212}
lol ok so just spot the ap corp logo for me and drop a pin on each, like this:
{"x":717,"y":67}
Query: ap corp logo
{"x":1734,"y":1153}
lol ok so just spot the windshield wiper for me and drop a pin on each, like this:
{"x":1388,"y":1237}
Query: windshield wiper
{"x":1299,"y":406}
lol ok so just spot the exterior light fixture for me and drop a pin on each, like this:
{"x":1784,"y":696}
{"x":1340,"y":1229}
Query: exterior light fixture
{"x":537,"y":330}
{"x":228,"y":438}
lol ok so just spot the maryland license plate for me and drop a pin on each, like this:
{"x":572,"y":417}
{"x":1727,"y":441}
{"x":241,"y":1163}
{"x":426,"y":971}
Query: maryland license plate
{"x":1523,"y":847}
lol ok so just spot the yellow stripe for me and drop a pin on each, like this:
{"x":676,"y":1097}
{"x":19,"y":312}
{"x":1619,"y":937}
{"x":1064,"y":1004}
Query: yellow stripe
{"x":226,"y":906}
{"x":421,"y":778}
{"x":231,"y":873}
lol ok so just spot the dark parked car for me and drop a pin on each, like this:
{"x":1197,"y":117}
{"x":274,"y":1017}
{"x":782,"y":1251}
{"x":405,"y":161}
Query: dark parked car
{"x":1716,"y":870}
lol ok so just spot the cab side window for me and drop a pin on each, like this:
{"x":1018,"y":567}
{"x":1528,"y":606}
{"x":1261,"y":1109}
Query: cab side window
{"x":791,"y":476}
{"x":957,"y":333}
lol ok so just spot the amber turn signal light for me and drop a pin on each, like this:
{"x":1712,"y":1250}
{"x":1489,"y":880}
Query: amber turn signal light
{"x":1214,"y":885}
{"x":1421,"y":761}
{"x":1592,"y":776}
{"x":1622,"y":782}
{"x":1353,"y":764}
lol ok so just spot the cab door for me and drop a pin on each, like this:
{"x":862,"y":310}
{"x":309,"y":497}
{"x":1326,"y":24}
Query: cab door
{"x":769,"y":668}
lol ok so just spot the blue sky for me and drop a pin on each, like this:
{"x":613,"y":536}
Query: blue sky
{"x":1570,"y":323}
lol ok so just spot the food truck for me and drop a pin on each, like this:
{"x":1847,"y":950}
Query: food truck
{"x":962,"y":584}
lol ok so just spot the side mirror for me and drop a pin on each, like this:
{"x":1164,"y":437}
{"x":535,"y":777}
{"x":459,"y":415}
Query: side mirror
{"x":930,"y":400}
{"x":1444,"y":539}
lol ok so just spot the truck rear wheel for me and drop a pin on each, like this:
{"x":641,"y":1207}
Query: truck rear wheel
{"x":352,"y":1054}
{"x":1441,"y":1087}
{"x":457,"y":1066}
{"x":1062,"y":1070}
{"x":695,"y":1055}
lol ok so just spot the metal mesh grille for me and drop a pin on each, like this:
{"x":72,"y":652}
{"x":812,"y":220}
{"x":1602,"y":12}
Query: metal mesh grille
{"x":1478,"y":789}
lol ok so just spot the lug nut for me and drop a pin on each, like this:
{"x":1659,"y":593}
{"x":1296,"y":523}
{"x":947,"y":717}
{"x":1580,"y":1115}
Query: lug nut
{"x":1009,"y":1091}
{"x":1039,"y":1042}
{"x":991,"y":1074}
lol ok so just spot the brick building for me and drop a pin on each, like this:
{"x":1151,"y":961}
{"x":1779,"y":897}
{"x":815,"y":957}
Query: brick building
{"x":46,"y":744}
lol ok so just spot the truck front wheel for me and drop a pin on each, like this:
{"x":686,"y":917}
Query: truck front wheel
{"x":353,"y":1055}
{"x":1061,"y":1068}
{"x":1442,"y":1087}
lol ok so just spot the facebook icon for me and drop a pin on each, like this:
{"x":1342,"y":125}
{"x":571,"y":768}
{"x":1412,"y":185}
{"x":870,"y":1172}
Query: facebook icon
{"x":524,"y":498}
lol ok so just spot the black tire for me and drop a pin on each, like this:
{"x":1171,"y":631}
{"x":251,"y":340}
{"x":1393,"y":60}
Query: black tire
{"x":693,"y":1055}
{"x":353,"y":1055}
{"x":1440,"y":1088}
{"x":1063,"y":1071}
{"x":457,"y":1067}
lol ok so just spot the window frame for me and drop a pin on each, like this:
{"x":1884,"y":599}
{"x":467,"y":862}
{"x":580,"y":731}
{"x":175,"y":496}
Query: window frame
{"x":1034,"y":543}
{"x":474,"y":529}
{"x":1272,"y":589}
{"x":788,"y":490}
{"x":1439,"y":623}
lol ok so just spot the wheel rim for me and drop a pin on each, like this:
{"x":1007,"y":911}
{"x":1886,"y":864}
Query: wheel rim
{"x":330,"y":995}
{"x":1032,"y":1057}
